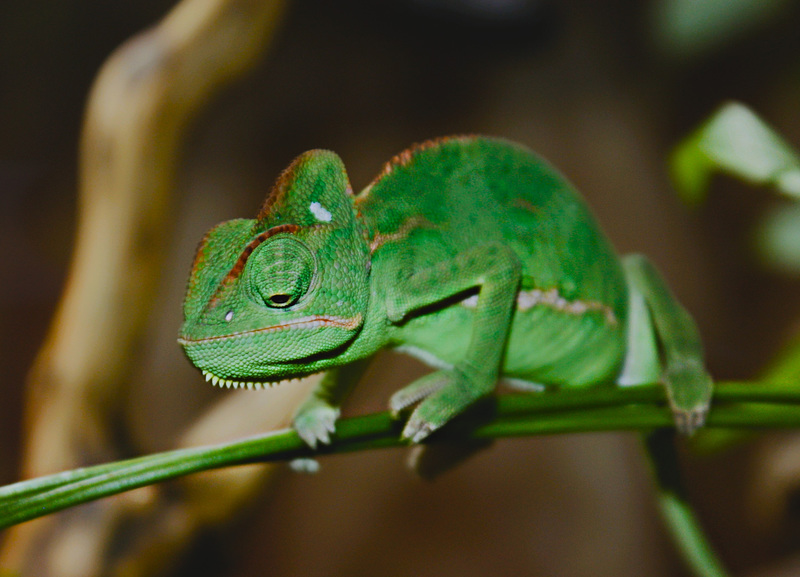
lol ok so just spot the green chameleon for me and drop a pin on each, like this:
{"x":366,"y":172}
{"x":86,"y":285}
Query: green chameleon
{"x":469,"y":253}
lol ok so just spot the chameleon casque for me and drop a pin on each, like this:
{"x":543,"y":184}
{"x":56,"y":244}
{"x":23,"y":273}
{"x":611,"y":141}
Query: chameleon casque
{"x":470,"y":253}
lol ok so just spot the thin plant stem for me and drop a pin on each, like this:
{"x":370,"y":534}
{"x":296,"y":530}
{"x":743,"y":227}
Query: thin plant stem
{"x":678,"y":514}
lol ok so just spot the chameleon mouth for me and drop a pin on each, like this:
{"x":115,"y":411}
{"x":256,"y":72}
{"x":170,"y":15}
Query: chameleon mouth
{"x":312,"y":322}
{"x":232,"y":384}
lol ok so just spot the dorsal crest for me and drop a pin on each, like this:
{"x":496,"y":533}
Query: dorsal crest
{"x":406,"y":156}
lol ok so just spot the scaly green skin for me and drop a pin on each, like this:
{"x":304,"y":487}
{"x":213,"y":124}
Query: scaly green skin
{"x":471,"y":253}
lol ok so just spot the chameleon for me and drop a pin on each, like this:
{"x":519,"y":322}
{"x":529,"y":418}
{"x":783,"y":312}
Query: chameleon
{"x":471,"y":253}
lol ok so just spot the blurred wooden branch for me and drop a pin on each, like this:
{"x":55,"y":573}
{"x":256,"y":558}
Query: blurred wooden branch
{"x":144,"y":97}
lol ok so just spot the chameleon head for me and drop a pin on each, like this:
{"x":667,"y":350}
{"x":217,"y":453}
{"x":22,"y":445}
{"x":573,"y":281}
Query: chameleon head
{"x":281,"y":295}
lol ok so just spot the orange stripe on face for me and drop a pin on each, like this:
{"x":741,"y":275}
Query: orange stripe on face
{"x":238,"y":267}
{"x":310,"y":322}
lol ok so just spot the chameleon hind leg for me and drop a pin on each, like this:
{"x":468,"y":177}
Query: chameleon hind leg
{"x":682,"y":370}
{"x":495,"y":270}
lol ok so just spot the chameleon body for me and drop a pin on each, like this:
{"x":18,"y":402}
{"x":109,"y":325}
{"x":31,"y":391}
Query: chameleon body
{"x":470,"y":253}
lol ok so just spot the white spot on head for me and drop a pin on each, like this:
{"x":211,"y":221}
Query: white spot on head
{"x":229,"y":316}
{"x":320,"y":212}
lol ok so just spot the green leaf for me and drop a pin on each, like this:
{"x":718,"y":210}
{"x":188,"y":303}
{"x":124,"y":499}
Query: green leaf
{"x":691,"y":27}
{"x":778,"y":238}
{"x":736,"y":142}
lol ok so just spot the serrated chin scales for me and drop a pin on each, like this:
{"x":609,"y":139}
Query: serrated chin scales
{"x":231,"y":384}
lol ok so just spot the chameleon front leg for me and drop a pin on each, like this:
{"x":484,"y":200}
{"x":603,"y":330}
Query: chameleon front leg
{"x":495,"y":270}
{"x":315,"y":419}
{"x":688,"y":385}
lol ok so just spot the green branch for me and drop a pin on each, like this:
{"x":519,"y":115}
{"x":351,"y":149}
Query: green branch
{"x":736,"y":405}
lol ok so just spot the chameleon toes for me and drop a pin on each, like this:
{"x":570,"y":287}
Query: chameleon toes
{"x":420,"y":389}
{"x":316,"y":425}
{"x":687,"y":422}
{"x":443,"y":395}
{"x":417,"y":429}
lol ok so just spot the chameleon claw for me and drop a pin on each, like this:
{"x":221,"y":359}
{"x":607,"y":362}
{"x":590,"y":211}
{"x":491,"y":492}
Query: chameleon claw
{"x":415,"y":392}
{"x":441,"y":395}
{"x":311,"y":438}
{"x":316,"y":424}
{"x":687,"y":422}
{"x":302,"y":465}
{"x":417,"y":430}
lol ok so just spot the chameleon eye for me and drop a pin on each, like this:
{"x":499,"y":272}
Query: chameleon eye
{"x":280,"y":272}
{"x":280,"y":300}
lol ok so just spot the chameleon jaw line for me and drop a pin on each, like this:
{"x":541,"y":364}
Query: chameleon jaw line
{"x":311,"y":322}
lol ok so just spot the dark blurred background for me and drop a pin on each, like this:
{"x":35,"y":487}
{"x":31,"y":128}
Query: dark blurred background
{"x":602,"y":89}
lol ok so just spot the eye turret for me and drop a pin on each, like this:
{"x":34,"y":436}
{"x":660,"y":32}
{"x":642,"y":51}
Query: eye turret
{"x":280,"y":272}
